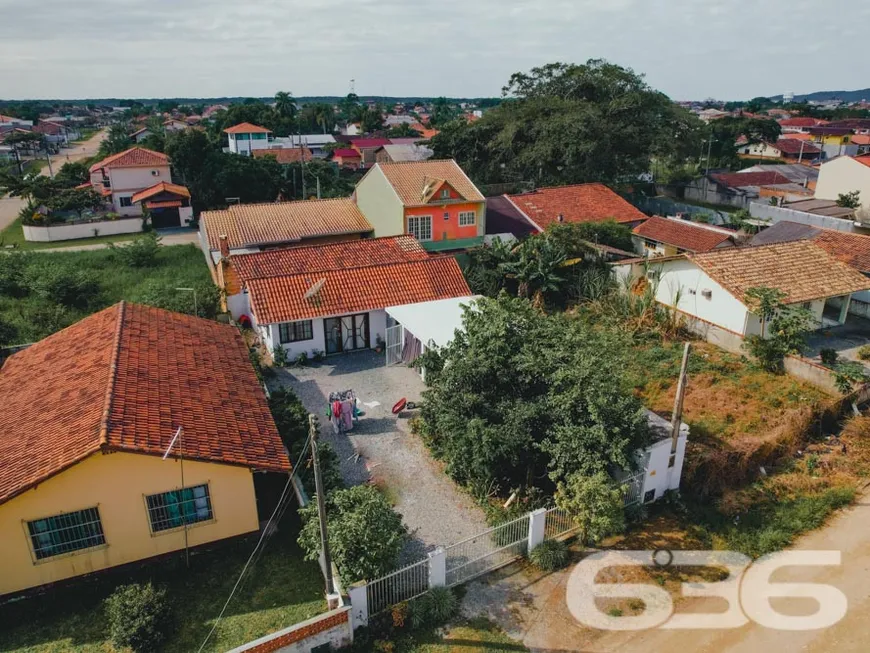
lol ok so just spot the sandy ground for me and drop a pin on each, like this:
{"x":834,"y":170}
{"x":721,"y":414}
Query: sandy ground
{"x":531,"y":607}
{"x":10,"y":206}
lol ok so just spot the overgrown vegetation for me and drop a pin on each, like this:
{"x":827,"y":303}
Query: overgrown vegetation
{"x":43,"y":293}
{"x":139,"y":617}
{"x":784,"y":328}
{"x":549,"y":555}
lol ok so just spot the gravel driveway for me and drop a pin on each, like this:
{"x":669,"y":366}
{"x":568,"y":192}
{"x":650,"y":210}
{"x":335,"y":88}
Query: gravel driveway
{"x":436,"y":512}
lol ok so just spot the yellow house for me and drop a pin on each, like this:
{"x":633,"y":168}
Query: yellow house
{"x":88,"y":415}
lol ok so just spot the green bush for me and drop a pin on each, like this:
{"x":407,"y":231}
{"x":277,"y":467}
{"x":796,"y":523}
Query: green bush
{"x":549,"y":555}
{"x":12,"y":279}
{"x":434,"y":608}
{"x":279,"y":356}
{"x":138,"y":616}
{"x":203,"y":302}
{"x":829,"y":356}
{"x":864,"y":353}
{"x":62,"y":284}
{"x":141,"y":252}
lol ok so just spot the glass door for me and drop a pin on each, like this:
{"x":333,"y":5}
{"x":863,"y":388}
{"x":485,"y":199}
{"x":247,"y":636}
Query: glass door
{"x":332,"y":335}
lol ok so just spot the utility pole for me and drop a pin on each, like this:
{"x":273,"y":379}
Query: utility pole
{"x":321,"y":507}
{"x":179,"y":437}
{"x":707,"y":169}
{"x":677,"y":415}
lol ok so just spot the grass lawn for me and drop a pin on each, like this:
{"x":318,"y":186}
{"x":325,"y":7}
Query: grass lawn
{"x":474,"y":636}
{"x":13,"y":235}
{"x":281,"y":590}
{"x":35,"y":316}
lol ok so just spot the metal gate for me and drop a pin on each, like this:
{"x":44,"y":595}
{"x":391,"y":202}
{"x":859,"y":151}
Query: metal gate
{"x":394,"y":344}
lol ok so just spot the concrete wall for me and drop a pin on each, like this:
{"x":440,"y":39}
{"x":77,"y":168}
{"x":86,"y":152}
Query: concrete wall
{"x":777,"y":214}
{"x":844,"y":175}
{"x":58,"y":232}
{"x":333,"y":628}
{"x":138,"y":178}
{"x":806,"y":370}
{"x":380,"y":204}
{"x":116,"y":484}
{"x":660,"y":477}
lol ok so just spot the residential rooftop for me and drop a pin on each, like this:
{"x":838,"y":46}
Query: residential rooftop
{"x":247,"y":128}
{"x":124,"y":379}
{"x":575,"y":204}
{"x":134,"y":157}
{"x":682,"y":234}
{"x":414,"y":181}
{"x":850,"y":248}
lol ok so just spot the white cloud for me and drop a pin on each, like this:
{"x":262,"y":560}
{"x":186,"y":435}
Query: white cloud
{"x":164,"y":48}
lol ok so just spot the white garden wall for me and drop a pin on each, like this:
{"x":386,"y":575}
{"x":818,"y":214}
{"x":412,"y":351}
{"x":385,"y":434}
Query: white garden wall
{"x":57,"y":232}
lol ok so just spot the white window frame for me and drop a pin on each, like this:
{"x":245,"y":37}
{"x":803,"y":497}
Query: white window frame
{"x":464,"y":218}
{"x":121,"y":199}
{"x":415,"y":226}
{"x":445,"y":194}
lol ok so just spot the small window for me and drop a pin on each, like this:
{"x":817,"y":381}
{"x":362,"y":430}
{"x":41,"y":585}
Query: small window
{"x":649,"y":496}
{"x":650,"y":244}
{"x":420,"y":227}
{"x":466,"y":218}
{"x":72,"y":531}
{"x":125,"y":201}
{"x":295,"y":331}
{"x":179,"y":507}
{"x":445,"y":193}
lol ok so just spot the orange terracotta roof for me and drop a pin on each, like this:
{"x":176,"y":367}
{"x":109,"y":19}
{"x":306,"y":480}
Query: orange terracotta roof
{"x":576,"y":203}
{"x":249,"y":225}
{"x":852,"y":249}
{"x":135,"y":156}
{"x":860,"y":139}
{"x":285,"y":155}
{"x":247,"y":128}
{"x":681,"y":234}
{"x":334,"y":256}
{"x":801,"y":269}
{"x":161,"y":187}
{"x":124,"y":379}
{"x":864,"y":159}
{"x":410,"y":179}
{"x":355,"y":290}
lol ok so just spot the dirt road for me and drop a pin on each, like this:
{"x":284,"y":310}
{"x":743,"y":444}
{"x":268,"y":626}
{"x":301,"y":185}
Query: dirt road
{"x":533,"y":609}
{"x":10,"y":206}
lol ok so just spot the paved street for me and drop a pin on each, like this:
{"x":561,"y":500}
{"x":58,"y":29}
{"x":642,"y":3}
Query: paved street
{"x":10,"y":206}
{"x":531,"y":607}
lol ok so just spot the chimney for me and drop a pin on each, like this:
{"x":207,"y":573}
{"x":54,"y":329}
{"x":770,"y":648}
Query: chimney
{"x":224,"y":246}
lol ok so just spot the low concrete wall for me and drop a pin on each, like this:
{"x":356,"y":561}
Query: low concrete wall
{"x":806,"y":370}
{"x":714,"y":334}
{"x":333,"y":628}
{"x":58,"y":232}
{"x":777,"y":214}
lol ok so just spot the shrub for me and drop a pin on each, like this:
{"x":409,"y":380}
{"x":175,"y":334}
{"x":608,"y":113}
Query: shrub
{"x":864,"y":353}
{"x":141,"y":252}
{"x":434,"y":608}
{"x":365,"y":534}
{"x":549,"y":555}
{"x":302,"y":359}
{"x":828,"y":355}
{"x":594,"y":503}
{"x":62,"y":284}
{"x":12,"y":280}
{"x":279,"y":356}
{"x":203,"y":302}
{"x":138,"y":616}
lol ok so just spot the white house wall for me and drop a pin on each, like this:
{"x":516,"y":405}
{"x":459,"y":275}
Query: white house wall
{"x":843,"y":175}
{"x":378,"y":202}
{"x":721,"y":309}
{"x":659,"y":476}
{"x":377,"y":328}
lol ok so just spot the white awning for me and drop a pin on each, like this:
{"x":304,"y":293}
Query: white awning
{"x":432,"y":322}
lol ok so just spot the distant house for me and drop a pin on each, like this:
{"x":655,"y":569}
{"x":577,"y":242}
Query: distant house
{"x":245,"y":228}
{"x":798,"y":174}
{"x":140,"y":135}
{"x":394,"y":153}
{"x":432,"y":200}
{"x":56,"y":133}
{"x":670,"y":236}
{"x":122,"y":176}
{"x":367,"y":148}
{"x":785,"y":149}
{"x":11,"y":121}
{"x":173,"y":125}
{"x":168,"y":204}
{"x":347,"y":158}
{"x":90,"y":413}
{"x":569,"y":204}
{"x":316,"y":143}
{"x":710,"y":288}
{"x":834,"y":141}
{"x":740,"y":188}
{"x":333,"y":298}
{"x":244,"y":138}
{"x":285,"y":155}
{"x":209,"y":112}
{"x":800,"y":124}
{"x":862,"y":142}
{"x":844,"y":175}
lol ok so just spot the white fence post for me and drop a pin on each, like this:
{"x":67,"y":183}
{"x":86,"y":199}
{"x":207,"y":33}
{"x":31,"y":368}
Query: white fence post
{"x":537,"y":527}
{"x":437,"y":568}
{"x":359,"y":605}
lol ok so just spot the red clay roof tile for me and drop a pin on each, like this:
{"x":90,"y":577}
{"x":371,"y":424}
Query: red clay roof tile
{"x":135,"y":156}
{"x":576,"y":203}
{"x":683,"y":235}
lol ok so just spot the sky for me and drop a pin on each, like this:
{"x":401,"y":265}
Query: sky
{"x":690,"y":49}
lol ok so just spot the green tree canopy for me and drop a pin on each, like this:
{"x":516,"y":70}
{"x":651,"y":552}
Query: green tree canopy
{"x":523,"y":399}
{"x":595,"y":504}
{"x":567,"y":123}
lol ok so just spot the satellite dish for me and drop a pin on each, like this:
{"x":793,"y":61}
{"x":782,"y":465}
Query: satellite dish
{"x":311,"y":292}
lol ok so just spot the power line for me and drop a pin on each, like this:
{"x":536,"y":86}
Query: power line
{"x":260,"y":543}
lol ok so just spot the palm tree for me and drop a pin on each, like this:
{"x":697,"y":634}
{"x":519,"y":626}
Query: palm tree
{"x":285,"y":104}
{"x":536,"y":268}
{"x":324,"y":115}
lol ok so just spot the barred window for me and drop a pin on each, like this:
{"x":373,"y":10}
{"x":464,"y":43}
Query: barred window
{"x":420,"y":227}
{"x":179,"y":507}
{"x":295,"y":331}
{"x":72,"y":531}
{"x":466,"y":218}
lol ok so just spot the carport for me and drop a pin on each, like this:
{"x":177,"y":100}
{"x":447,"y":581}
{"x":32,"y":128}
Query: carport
{"x":414,"y":328}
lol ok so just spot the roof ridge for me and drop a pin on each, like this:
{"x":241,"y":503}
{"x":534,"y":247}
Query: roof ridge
{"x":364,"y":266}
{"x":113,"y":370}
